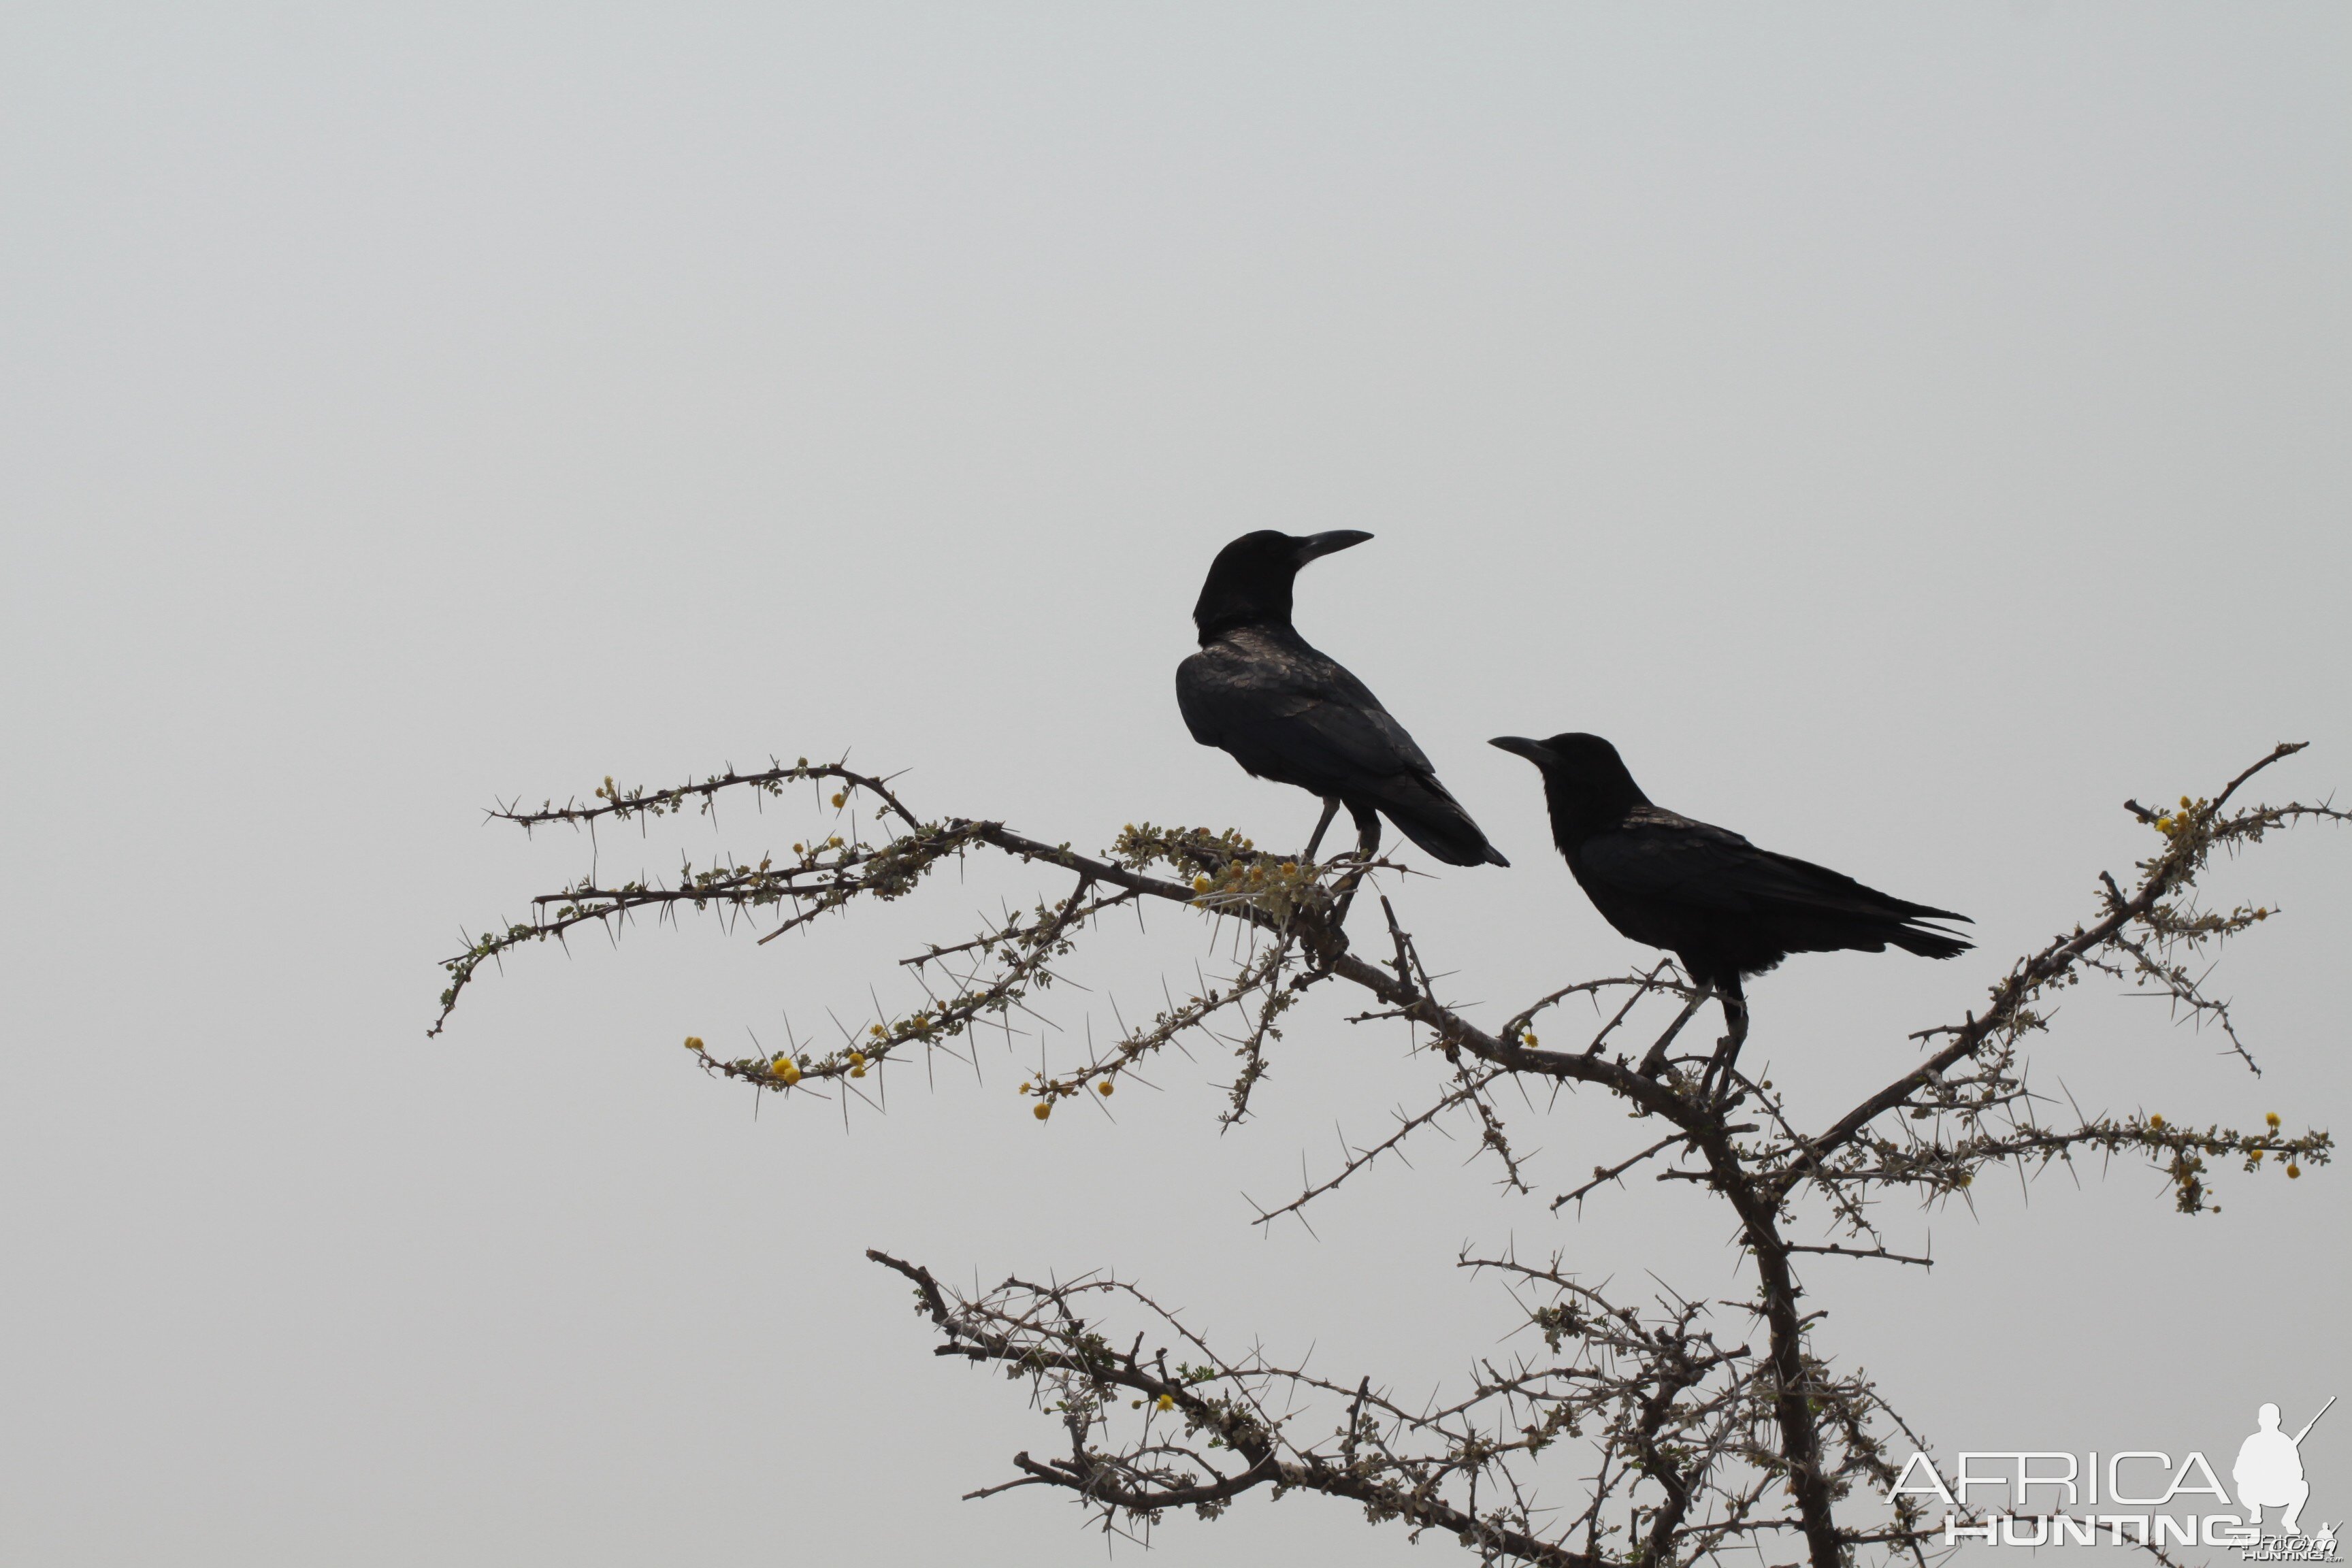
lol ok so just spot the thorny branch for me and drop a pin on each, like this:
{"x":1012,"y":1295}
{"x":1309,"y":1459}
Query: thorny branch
{"x":1678,"y":1447}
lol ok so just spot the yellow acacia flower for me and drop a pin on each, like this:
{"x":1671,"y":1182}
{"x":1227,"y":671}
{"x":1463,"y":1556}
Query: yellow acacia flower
{"x":1105,"y":1086}
{"x":2293,"y":1170}
{"x":1044,"y":1108}
{"x":785,"y":1068}
{"x":2157,"y":1122}
{"x":694,"y":1042}
{"x":841,"y":798}
{"x":1199,"y":884}
{"x":1167,"y":1401}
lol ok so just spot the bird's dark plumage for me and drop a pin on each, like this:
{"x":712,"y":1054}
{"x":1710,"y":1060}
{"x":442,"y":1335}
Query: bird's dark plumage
{"x":1291,"y":714}
{"x":1720,"y":905}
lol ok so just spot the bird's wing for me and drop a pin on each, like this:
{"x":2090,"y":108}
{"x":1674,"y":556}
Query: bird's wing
{"x":1299,"y":713}
{"x":1658,"y":854}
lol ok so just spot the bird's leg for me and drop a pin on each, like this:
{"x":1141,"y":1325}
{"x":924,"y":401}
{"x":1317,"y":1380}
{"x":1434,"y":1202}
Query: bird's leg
{"x":1368,"y":843}
{"x":1726,"y":1051}
{"x":1331,"y":810}
{"x":1655,"y":1062}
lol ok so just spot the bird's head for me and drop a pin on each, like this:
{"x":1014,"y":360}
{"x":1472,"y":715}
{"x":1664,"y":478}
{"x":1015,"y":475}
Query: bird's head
{"x":1250,"y":579}
{"x":1585,"y":780}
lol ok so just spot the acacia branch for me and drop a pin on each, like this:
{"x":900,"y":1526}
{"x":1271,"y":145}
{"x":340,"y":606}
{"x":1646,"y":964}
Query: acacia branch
{"x":2191,"y":836}
{"x":1686,"y":1447}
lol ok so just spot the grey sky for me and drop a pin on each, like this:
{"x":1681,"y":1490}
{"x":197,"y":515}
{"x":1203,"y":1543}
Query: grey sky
{"x":1906,"y":431}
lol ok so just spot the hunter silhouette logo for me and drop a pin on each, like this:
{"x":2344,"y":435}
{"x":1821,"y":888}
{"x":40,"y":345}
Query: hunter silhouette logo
{"x":2044,"y":1489}
{"x":2269,"y":1471}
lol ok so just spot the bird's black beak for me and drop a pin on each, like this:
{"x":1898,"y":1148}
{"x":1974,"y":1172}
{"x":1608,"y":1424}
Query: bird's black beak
{"x":1315,"y":546}
{"x":1535,"y":751}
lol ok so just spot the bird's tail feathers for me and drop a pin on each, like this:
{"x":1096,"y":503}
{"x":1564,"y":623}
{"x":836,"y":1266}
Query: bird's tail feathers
{"x":1930,"y":942}
{"x":1424,"y":813}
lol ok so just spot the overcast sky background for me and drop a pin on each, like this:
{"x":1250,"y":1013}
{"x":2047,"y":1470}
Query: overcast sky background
{"x":1906,"y":431}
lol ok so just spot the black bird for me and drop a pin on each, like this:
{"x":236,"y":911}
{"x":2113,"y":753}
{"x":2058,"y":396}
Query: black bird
{"x":1288,"y":713}
{"x":1721,"y":906}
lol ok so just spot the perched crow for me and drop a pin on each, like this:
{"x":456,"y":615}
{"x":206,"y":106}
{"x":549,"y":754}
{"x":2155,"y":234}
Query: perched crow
{"x":1290,"y":714}
{"x":1721,"y":906}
